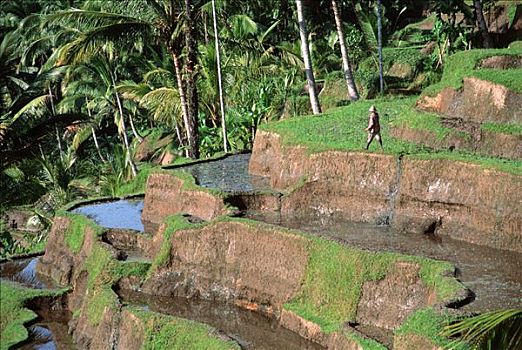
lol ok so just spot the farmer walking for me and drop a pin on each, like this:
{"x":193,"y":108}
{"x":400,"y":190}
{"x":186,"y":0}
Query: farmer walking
{"x":374,"y":128}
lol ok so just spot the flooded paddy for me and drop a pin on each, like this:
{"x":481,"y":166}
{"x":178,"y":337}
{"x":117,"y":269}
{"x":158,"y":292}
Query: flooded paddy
{"x":251,"y":330}
{"x":50,"y":330}
{"x":229,"y":175}
{"x":122,"y":214}
{"x":493,"y":275}
{"x":23,"y":272}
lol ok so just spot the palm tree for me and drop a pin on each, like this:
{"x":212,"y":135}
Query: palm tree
{"x":305,"y":50}
{"x":191,"y":76}
{"x":347,"y":68}
{"x":96,"y":81}
{"x":220,"y":80}
{"x":379,"y":35}
{"x":158,"y":21}
{"x":483,"y":28}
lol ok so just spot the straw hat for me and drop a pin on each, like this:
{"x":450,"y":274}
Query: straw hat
{"x":372,"y":109}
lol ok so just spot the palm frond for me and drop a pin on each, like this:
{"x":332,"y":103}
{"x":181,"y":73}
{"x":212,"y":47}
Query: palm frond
{"x":164,"y":103}
{"x":82,"y":135}
{"x":36,"y":103}
{"x":500,"y":329}
{"x":95,"y":40}
{"x":133,"y":91}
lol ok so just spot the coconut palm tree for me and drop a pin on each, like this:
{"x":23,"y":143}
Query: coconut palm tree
{"x":483,"y":28}
{"x":379,"y":36}
{"x":129,"y":24}
{"x":220,"y":80}
{"x":305,"y":51}
{"x":96,"y":82}
{"x":347,"y":67}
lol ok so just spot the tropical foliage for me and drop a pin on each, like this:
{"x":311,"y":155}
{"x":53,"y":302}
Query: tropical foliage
{"x":86,"y":86}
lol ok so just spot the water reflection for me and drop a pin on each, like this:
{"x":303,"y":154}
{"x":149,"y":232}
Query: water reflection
{"x":23,"y":271}
{"x":250,"y":330}
{"x":124,"y":214}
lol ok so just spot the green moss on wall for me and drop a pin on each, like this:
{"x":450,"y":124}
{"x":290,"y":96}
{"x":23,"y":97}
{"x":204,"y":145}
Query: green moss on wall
{"x":429,"y":323}
{"x":75,"y":233}
{"x":173,"y":224}
{"x":138,"y":184}
{"x":510,"y":129}
{"x":510,"y":78}
{"x":365,"y":343}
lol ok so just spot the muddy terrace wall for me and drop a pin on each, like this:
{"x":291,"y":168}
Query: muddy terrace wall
{"x":457,"y":199}
{"x":478,"y":101}
{"x":486,"y":142}
{"x":254,"y":265}
{"x":167,"y":195}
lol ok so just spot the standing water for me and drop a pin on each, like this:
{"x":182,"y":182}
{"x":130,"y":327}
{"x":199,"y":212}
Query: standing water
{"x":124,"y":214}
{"x":50,"y":331}
{"x":250,"y":330}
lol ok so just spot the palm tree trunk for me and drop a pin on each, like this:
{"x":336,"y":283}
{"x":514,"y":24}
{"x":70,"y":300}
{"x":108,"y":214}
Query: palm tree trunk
{"x":479,"y":13}
{"x":94,"y":133}
{"x":53,"y":111}
{"x":182,"y":96}
{"x":379,"y":38}
{"x":192,"y":89}
{"x":97,"y":145}
{"x":178,"y":135}
{"x":220,"y":83}
{"x":134,"y":169}
{"x":347,"y":68}
{"x":134,"y":131}
{"x":312,"y":89}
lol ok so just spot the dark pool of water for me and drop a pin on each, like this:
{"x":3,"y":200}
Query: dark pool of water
{"x":125,"y":213}
{"x":229,"y":174}
{"x":249,"y":329}
{"x":48,"y":335}
{"x":23,"y":272}
{"x":493,"y":275}
{"x":50,"y":330}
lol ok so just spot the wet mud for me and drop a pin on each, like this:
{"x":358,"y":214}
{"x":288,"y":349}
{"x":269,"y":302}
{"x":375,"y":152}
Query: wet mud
{"x":229,"y":175}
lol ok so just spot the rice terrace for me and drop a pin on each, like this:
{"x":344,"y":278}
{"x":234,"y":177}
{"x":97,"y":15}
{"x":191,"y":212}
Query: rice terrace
{"x":261,"y":174}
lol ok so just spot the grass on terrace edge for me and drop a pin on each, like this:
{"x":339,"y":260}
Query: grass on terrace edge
{"x":168,"y":332}
{"x":335,"y":275}
{"x":464,"y":64}
{"x":342,"y":129}
{"x":510,"y":129}
{"x":13,"y":314}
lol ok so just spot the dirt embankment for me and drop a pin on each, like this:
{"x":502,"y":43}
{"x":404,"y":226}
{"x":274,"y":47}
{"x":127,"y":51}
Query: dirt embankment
{"x":478,"y":101}
{"x":232,"y":261}
{"x":69,"y":268}
{"x":464,"y":200}
{"x":166,"y":195}
{"x":481,"y":141}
